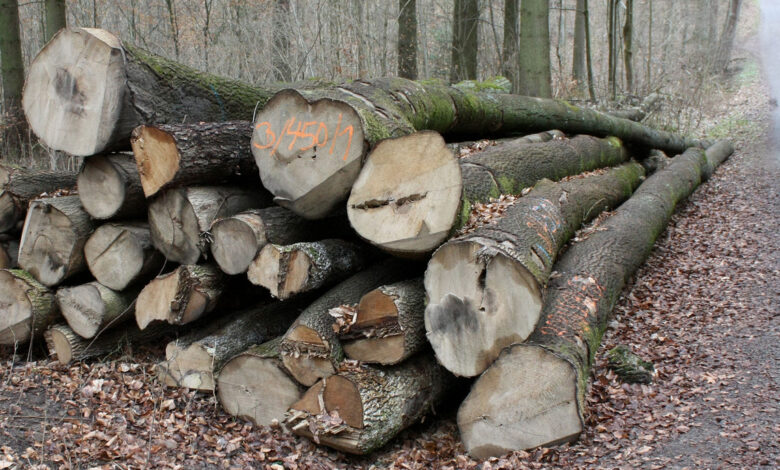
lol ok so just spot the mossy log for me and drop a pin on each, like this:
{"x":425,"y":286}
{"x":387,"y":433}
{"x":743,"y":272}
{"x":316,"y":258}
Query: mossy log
{"x":27,"y":307}
{"x":121,"y":254}
{"x":110,"y":188}
{"x":310,"y":349}
{"x":53,"y":238}
{"x":408,"y":206}
{"x":19,"y":186}
{"x":179,"y":218}
{"x":195,"y":153}
{"x":389,"y":325}
{"x":181,"y":296}
{"x":310,"y":144}
{"x":86,"y":91}
{"x":534,"y":394}
{"x":255,"y":385}
{"x":362,"y":408}
{"x":484,"y":288}
{"x":288,"y":270}
{"x":93,"y":307}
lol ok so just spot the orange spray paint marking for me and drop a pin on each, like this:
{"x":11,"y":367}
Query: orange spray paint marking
{"x":349,"y":142}
{"x":270,"y":136}
{"x":338,"y":127}
{"x":287,"y":126}
{"x":309,"y":135}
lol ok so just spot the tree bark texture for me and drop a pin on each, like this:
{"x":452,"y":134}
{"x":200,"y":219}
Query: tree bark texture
{"x":509,"y":54}
{"x":628,"y":48}
{"x":465,"y":40}
{"x":55,"y":18}
{"x":121,"y":254}
{"x":534,"y":77}
{"x":578,"y":59}
{"x":110,"y":188}
{"x":18,"y":186}
{"x":12,"y":66}
{"x":407,"y":39}
{"x":90,"y":308}
{"x":27,"y":307}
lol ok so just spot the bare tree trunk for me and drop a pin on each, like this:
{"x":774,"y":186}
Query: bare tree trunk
{"x":648,"y":65}
{"x":12,"y":69}
{"x":727,"y":37}
{"x":628,"y":51}
{"x":407,"y":39}
{"x":55,"y":17}
{"x":534,"y":76}
{"x":578,"y":59}
{"x":465,"y":40}
{"x":281,"y":52}
{"x":612,"y":49}
{"x":591,"y":90}
{"x":509,"y":62}
{"x":169,"y":4}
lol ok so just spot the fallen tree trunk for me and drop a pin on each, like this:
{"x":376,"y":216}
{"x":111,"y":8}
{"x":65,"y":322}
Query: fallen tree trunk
{"x":121,"y":254}
{"x":484,"y":288}
{"x":196,"y":153}
{"x":288,"y":270}
{"x":90,"y":308}
{"x":310,"y":349}
{"x":389,"y":325}
{"x":27,"y":307}
{"x":309,"y":144}
{"x":361,"y":409}
{"x":179,"y":217}
{"x":110,"y":188}
{"x":86,"y":91}
{"x":53,"y":238}
{"x":255,"y":385}
{"x":409,"y":206}
{"x":19,"y":186}
{"x":181,"y":296}
{"x":534,"y":394}
{"x":195,"y":360}
{"x":9,"y":254}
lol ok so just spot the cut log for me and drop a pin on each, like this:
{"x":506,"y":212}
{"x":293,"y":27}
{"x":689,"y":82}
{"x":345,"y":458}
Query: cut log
{"x":361,"y":409}
{"x":288,"y":270}
{"x":9,"y":254}
{"x":309,"y":144}
{"x":255,"y":385}
{"x":90,"y":308}
{"x":485,"y":288}
{"x":462,"y":149}
{"x":408,"y":204}
{"x":27,"y":307}
{"x":181,"y":296}
{"x":110,"y":188}
{"x":53,"y":238}
{"x":180,"y":217}
{"x":196,"y":153}
{"x":194,"y":361}
{"x":86,"y":91}
{"x":238,"y":239}
{"x":389,"y":326}
{"x":121,"y":254}
{"x":18,"y":186}
{"x":310,"y":349}
{"x":534,"y":394}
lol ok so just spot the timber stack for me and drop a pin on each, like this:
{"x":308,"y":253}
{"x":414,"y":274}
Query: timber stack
{"x":336,"y":264}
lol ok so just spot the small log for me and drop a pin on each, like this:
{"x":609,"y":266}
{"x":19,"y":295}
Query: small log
{"x":389,"y":326}
{"x":238,"y":239}
{"x":181,"y":296}
{"x":362,"y":408}
{"x":628,"y":366}
{"x":484,"y":288}
{"x":195,"y":153}
{"x":92,"y":307}
{"x":534,"y":394}
{"x":18,"y":186}
{"x":110,"y":188}
{"x":121,"y":254}
{"x":288,"y":270}
{"x":53,"y":238}
{"x":9,"y":254}
{"x":180,"y":217}
{"x":310,"y":349}
{"x":194,"y":361}
{"x":255,"y":385}
{"x":413,"y":194}
{"x":27,"y":307}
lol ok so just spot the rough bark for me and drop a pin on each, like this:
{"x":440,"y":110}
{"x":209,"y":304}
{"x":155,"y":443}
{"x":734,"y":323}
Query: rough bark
{"x":362,"y":408}
{"x":195,"y":153}
{"x":289,"y":270}
{"x":408,"y":206}
{"x":110,"y":188}
{"x":53,"y":238}
{"x":309,"y":144}
{"x":484,"y":288}
{"x":310,"y":349}
{"x":18,"y":186}
{"x":86,"y":91}
{"x":534,"y":77}
{"x":255,"y":385}
{"x":534,"y":394}
{"x":181,"y":296}
{"x":179,"y":218}
{"x":90,"y":308}
{"x":121,"y":254}
{"x":389,"y":326}
{"x":27,"y":307}
{"x":55,"y":18}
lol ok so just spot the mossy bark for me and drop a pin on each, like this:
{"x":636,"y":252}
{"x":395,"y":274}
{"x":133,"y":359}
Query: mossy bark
{"x":18,"y":186}
{"x":28,"y":307}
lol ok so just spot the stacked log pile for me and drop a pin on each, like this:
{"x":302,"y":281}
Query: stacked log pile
{"x":260,"y":249}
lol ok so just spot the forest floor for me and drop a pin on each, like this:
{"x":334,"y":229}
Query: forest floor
{"x":704,"y":310}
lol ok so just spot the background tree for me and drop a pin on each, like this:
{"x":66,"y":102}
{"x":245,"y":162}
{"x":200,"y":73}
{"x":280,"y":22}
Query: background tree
{"x":55,"y":17}
{"x":465,"y":41}
{"x":509,"y":54}
{"x":727,"y":37}
{"x":534,"y":72}
{"x":12,"y":69}
{"x":628,"y":48}
{"x":281,"y":52}
{"x":407,"y":39}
